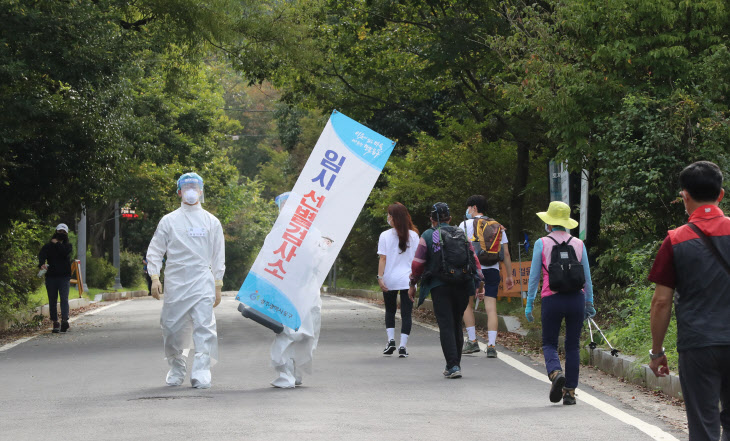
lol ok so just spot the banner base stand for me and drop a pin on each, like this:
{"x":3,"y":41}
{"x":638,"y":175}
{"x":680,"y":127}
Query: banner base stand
{"x":261,"y":319}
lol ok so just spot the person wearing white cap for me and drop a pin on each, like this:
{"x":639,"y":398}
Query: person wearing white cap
{"x":55,"y":260}
{"x":567,"y":295}
{"x":193,"y":241}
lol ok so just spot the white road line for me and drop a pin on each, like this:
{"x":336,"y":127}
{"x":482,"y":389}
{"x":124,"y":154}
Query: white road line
{"x":16,"y":343}
{"x":653,"y":431}
{"x":96,"y":311}
{"x":71,"y":320}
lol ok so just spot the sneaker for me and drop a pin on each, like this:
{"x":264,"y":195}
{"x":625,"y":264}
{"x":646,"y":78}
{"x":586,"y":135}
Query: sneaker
{"x":389,"y":348}
{"x":454,"y":372}
{"x":556,"y":390}
{"x":491,"y":352}
{"x":64,"y":326}
{"x":470,"y":347}
{"x":446,"y":372}
{"x":56,"y":327}
{"x":402,"y":353}
{"x":568,"y":396}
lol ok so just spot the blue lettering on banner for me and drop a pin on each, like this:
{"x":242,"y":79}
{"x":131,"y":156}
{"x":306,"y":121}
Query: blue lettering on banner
{"x":261,"y":295}
{"x":370,"y":146}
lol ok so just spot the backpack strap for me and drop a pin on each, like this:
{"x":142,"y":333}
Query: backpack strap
{"x":543,"y":250}
{"x":711,"y":246}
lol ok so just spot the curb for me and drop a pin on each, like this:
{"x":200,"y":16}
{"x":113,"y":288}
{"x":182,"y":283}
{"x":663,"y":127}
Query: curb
{"x":506,"y":323}
{"x":635,"y":372}
{"x":624,"y":366}
{"x":77,"y":303}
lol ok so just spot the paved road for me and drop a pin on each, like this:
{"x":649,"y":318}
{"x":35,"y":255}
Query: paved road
{"x":104,"y":380}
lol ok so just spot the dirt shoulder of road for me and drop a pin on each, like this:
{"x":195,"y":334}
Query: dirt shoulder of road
{"x":647,"y":401}
{"x":43,"y":326}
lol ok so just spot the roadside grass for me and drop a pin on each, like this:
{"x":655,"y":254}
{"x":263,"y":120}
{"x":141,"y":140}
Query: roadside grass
{"x":40,"y":296}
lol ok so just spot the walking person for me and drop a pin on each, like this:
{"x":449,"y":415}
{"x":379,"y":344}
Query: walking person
{"x":55,"y":259}
{"x":567,"y":295}
{"x":397,"y":247}
{"x":691,"y":271}
{"x":147,"y":276}
{"x":446,"y":261}
{"x":292,"y":351}
{"x":476,"y":206}
{"x":193,"y":241}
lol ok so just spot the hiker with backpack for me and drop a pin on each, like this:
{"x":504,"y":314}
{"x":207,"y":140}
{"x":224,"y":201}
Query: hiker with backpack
{"x":446,"y":263}
{"x":567,"y":294}
{"x":489,"y":240}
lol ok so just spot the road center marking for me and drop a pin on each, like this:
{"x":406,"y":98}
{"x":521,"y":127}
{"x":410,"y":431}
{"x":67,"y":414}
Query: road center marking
{"x":653,"y":431}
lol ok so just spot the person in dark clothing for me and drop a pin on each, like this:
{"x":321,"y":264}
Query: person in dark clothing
{"x":449,"y":298}
{"x":147,"y":276}
{"x":691,"y":272}
{"x":55,"y":258}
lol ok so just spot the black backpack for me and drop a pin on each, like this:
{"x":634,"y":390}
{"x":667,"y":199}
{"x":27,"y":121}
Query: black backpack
{"x":565,"y":272}
{"x":452,"y":260}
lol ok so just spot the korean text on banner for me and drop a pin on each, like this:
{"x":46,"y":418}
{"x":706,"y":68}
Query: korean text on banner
{"x":329,"y":194}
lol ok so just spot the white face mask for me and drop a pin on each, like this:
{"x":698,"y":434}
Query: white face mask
{"x":547,"y":229}
{"x":191,"y":197}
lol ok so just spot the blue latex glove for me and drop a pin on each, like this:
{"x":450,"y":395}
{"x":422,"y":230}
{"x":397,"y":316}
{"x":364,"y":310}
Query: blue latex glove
{"x":528,"y":313}
{"x":590,"y":311}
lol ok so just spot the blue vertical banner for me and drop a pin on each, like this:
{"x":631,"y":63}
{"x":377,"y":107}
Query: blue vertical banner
{"x":329,"y":194}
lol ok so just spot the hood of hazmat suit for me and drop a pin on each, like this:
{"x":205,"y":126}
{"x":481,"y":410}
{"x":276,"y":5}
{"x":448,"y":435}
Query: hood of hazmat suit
{"x":193,"y":241}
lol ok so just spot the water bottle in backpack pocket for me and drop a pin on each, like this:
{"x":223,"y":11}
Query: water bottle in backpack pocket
{"x":565,"y":272}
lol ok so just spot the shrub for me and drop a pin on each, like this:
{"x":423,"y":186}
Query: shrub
{"x":99,"y":272}
{"x":130,"y":267}
{"x":19,"y":248}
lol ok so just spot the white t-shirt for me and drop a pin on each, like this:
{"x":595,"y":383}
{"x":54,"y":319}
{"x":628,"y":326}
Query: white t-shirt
{"x":470,"y":236}
{"x":397,"y":264}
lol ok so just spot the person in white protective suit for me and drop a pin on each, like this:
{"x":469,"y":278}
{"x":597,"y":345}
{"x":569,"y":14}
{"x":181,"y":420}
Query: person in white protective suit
{"x":292,"y":351}
{"x":193,"y":240}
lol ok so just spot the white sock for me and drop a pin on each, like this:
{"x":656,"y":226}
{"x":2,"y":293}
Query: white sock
{"x":472,"y":332}
{"x":391,"y":333}
{"x":403,"y":340}
{"x":492,"y":337}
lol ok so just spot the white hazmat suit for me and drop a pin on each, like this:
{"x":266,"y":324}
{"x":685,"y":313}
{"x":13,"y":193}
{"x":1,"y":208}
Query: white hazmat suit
{"x":193,"y":240}
{"x":292,"y":351}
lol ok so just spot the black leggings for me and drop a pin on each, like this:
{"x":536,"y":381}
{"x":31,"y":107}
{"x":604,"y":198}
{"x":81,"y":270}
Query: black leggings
{"x":449,"y":304}
{"x":406,"y":308}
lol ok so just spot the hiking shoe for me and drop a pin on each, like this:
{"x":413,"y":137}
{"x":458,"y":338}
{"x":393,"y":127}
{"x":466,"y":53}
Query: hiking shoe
{"x":491,"y":352}
{"x":56,"y":327}
{"x":470,"y":347}
{"x":454,"y":372}
{"x":402,"y":353}
{"x":446,"y":372}
{"x":556,"y":390}
{"x":568,"y":396}
{"x":64,"y":326}
{"x":389,"y":348}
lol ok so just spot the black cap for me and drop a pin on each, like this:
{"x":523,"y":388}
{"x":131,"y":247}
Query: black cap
{"x":439,"y":211}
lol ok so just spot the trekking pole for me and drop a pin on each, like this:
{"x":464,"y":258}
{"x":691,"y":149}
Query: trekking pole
{"x":592,"y":344}
{"x":614,"y":351}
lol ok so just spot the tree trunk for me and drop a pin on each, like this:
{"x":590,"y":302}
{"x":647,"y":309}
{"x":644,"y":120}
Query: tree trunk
{"x":517,"y":202}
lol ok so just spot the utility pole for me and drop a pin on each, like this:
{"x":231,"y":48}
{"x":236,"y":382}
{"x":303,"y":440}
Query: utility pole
{"x":117,"y":279}
{"x":81,"y":246}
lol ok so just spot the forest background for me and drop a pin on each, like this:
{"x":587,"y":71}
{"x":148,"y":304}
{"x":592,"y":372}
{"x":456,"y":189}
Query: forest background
{"x":111,"y":100}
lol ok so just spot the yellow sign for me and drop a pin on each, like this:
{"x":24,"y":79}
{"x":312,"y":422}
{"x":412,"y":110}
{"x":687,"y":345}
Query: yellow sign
{"x":520,"y":273}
